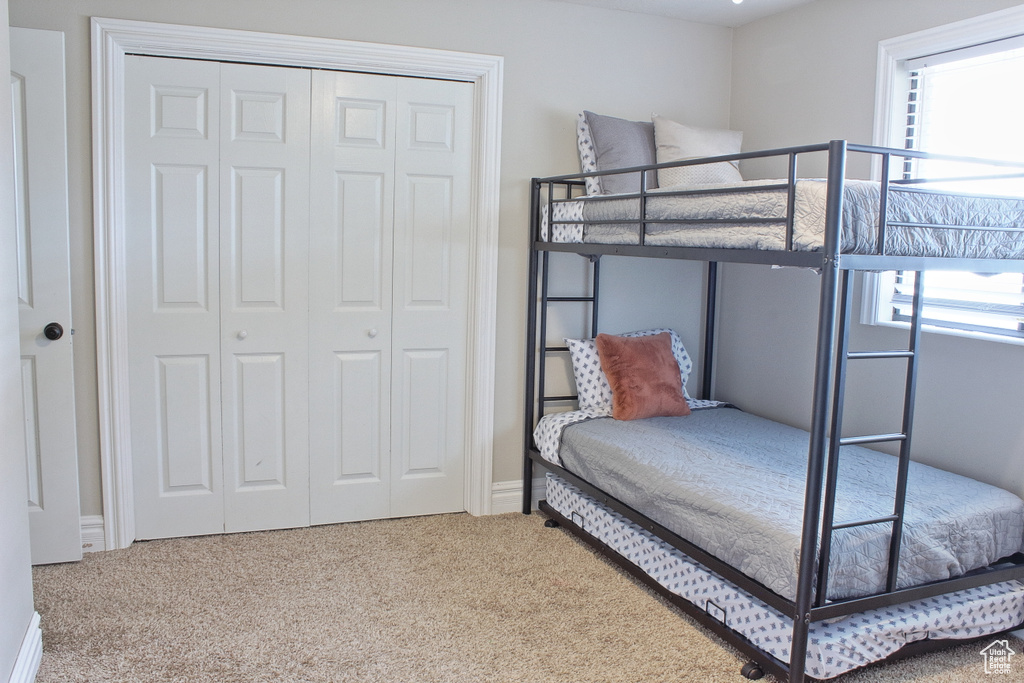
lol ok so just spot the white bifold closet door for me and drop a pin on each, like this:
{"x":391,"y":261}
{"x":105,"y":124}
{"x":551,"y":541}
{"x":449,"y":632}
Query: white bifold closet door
{"x":217,"y":244}
{"x":264,"y":250}
{"x":298,"y":259}
{"x":388,"y":295}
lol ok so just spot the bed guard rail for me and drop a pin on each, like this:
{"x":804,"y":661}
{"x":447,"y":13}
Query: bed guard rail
{"x":893,"y":167}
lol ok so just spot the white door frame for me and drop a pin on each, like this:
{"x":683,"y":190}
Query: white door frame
{"x":112,"y":39}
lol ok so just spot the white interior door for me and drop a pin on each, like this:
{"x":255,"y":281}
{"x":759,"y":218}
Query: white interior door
{"x":264,"y":233}
{"x":431,"y":300}
{"x":172,"y":252}
{"x":350,"y":271}
{"x":389,"y":268}
{"x":44,"y":293}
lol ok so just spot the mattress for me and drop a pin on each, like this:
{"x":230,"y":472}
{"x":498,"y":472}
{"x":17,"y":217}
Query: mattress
{"x":733,"y":484}
{"x":752,"y":215}
{"x":835,"y":646}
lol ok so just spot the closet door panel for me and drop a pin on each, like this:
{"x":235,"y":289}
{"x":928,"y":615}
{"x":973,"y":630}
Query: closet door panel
{"x":425,"y":421}
{"x":186,"y":457}
{"x":357,"y":378}
{"x":358,"y":243}
{"x":172,"y":256}
{"x":352,"y":194}
{"x":182,"y":260}
{"x":264,"y":175}
{"x":260,"y":422}
{"x":431,"y":276}
{"x":428,"y":243}
{"x":256,"y":273}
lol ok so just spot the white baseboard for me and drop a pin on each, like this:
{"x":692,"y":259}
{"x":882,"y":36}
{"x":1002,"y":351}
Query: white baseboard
{"x":93,"y":540}
{"x":507,"y":496}
{"x":27,"y":665}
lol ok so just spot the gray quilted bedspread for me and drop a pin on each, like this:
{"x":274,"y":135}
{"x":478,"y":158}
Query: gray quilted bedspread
{"x":733,"y":484}
{"x":974,"y":226}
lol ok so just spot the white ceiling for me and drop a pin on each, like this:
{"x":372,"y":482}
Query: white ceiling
{"x":720,"y":12}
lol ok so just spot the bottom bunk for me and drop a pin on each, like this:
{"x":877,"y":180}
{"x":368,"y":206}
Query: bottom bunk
{"x":835,"y":646}
{"x":732,"y":483}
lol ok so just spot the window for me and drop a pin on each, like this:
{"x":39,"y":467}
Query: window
{"x":958,"y":103}
{"x":991,"y":304}
{"x":955,"y":94}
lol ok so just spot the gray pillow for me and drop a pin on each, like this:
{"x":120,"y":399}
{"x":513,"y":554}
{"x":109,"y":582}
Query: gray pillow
{"x":619,"y":143}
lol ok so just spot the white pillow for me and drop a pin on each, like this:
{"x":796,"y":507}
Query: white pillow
{"x":677,"y":142}
{"x":591,"y":383}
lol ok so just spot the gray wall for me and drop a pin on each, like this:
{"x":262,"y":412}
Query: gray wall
{"x":808,"y":75}
{"x":559,"y":59}
{"x":15,"y":576}
{"x":783,"y":80}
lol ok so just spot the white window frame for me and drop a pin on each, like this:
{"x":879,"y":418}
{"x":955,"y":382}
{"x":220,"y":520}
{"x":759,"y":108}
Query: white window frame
{"x":890,"y":120}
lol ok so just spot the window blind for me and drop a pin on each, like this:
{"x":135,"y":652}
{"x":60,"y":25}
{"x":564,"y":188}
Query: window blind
{"x":965,"y":102}
{"x":971,"y":107}
{"x":967,"y":301}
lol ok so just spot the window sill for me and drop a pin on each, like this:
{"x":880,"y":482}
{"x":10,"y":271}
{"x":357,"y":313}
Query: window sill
{"x":949,"y":331}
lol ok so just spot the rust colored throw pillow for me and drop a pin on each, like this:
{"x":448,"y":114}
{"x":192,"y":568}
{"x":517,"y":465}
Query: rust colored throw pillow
{"x":644,"y":376}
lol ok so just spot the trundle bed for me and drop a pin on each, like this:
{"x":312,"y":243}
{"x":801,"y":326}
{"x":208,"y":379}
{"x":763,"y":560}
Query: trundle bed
{"x":810,"y":553}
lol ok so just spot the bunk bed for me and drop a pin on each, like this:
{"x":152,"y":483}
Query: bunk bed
{"x":808,"y":561}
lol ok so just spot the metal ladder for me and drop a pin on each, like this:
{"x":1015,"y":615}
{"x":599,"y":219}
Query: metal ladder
{"x":536,"y":369}
{"x":546,"y":301}
{"x":843,"y":355}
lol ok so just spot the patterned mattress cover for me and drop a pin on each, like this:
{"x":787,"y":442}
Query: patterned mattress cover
{"x":733,"y":484}
{"x":834,"y":646}
{"x":972,"y":226}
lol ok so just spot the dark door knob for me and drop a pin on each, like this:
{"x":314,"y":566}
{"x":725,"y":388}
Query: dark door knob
{"x":53,"y":331}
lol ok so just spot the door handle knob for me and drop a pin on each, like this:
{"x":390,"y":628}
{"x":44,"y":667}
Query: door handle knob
{"x":371,"y":333}
{"x":53,"y":331}
{"x":242,"y":334}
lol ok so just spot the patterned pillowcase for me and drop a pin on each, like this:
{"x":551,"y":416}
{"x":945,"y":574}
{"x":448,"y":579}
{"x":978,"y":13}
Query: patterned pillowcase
{"x":591,"y":383}
{"x":606,"y":143}
{"x":588,"y":155}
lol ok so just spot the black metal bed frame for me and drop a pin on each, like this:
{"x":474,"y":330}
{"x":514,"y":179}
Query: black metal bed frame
{"x":832,"y":356}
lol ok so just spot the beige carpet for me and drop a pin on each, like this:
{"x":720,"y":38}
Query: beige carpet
{"x":448,"y":598}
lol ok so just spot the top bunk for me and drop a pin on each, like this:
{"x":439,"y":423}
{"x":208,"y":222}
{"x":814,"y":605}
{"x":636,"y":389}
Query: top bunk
{"x":703,"y":209}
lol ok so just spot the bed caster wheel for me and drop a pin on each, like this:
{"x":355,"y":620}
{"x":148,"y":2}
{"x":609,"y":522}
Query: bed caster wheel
{"x":752,"y":670}
{"x":551,"y":524}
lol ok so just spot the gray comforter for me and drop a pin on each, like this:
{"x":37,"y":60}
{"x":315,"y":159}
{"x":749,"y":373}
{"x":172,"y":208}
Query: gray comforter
{"x":733,"y":484}
{"x":974,"y":226}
